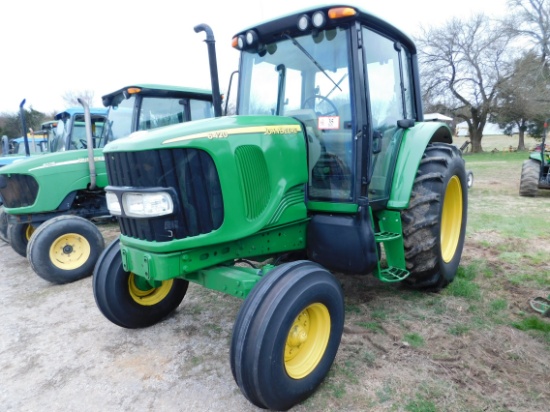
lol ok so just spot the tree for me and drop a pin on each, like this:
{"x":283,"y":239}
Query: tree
{"x":522,"y":100}
{"x":530,"y":19}
{"x":71,"y":97}
{"x":10,"y":123}
{"x":464,"y":63}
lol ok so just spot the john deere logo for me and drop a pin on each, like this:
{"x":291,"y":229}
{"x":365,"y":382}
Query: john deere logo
{"x":282,"y":129}
{"x":219,"y":134}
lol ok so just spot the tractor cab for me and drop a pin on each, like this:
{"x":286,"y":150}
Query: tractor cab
{"x":348,"y":77}
{"x":158,"y":106}
{"x":70,"y":132}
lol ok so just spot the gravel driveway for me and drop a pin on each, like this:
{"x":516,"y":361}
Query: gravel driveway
{"x":58,"y":352}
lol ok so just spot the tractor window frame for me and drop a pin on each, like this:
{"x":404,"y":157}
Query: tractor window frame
{"x":390,"y":94}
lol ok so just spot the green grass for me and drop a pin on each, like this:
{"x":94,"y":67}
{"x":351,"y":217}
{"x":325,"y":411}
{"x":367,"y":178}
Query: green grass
{"x":509,"y":157}
{"x":371,"y":326}
{"x":414,"y":339}
{"x":421,"y":404}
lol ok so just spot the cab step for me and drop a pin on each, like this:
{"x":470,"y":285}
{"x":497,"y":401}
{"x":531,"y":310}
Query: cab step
{"x":381,"y":237}
{"x":392,"y":274}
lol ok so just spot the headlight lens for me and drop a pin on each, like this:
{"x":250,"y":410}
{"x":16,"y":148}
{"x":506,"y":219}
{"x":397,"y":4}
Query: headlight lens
{"x":147,"y":204}
{"x":112,"y":204}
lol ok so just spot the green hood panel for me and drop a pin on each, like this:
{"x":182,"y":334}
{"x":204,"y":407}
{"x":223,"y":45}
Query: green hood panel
{"x":181,"y":135}
{"x":57,"y":175}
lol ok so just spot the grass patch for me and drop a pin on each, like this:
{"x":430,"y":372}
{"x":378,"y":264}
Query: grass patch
{"x":536,"y":326}
{"x":414,"y":339}
{"x":463,"y":288}
{"x":536,"y":279}
{"x":532,"y":323}
{"x":420,"y":404}
{"x":371,"y":326}
{"x":459,"y":330}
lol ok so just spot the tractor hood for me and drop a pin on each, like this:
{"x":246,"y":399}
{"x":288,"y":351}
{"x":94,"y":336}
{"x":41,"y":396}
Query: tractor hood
{"x":221,"y":128}
{"x":51,"y":161}
{"x":40,"y":184}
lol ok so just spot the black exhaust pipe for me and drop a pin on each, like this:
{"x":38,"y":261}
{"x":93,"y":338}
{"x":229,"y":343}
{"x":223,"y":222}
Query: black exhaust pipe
{"x":211,"y":43}
{"x":24,"y":125}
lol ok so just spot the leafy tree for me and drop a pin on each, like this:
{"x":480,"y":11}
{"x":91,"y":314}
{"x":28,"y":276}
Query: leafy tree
{"x":523,"y":100}
{"x":464,"y":63}
{"x":10,"y":123}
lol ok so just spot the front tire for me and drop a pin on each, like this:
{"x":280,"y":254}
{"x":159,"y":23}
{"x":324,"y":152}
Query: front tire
{"x":65,"y":249}
{"x":434,"y":225}
{"x":287,"y":334}
{"x":529,"y":182}
{"x":120,"y":298}
{"x":19,"y":235}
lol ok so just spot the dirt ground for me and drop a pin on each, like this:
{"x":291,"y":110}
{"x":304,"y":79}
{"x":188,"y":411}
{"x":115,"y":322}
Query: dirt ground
{"x":58,"y":352}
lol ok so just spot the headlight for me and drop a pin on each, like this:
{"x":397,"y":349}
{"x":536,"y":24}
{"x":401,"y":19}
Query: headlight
{"x":147,"y":204}
{"x":112,"y":204}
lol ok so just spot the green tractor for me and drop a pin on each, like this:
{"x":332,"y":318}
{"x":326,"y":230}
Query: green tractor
{"x":535,"y":171}
{"x":327,"y":167}
{"x":70,"y":132}
{"x":52,"y":202}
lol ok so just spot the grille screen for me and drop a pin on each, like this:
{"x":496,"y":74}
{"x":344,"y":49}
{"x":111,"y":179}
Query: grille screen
{"x":18,"y":190}
{"x":193,"y":176}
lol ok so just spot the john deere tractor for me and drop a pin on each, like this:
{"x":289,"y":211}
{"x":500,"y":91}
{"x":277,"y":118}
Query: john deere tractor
{"x":535,"y":171}
{"x":53,"y":201}
{"x":327,"y":167}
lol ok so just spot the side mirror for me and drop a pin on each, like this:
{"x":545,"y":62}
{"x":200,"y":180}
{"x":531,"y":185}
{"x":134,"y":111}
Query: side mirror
{"x":60,"y":128}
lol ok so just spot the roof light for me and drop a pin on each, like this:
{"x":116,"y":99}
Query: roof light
{"x":319,"y":19}
{"x":251,"y":38}
{"x":238,"y":42}
{"x":341,"y":12}
{"x":133,"y":90}
{"x":304,"y":22}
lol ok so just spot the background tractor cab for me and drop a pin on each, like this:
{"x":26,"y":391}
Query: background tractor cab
{"x":70,"y":132}
{"x":327,"y":166}
{"x":62,"y":193}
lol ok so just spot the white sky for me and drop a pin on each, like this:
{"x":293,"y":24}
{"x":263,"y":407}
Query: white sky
{"x":49,"y":47}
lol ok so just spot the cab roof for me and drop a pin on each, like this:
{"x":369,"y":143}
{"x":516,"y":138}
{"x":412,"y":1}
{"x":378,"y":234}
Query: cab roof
{"x":71,"y":111}
{"x":160,"y":90}
{"x":275,"y":29}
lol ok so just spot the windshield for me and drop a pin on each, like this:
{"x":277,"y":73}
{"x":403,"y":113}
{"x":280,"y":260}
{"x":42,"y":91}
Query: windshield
{"x":36,"y":145}
{"x":308,"y":78}
{"x":153,"y":112}
{"x":71,"y":133}
{"x":119,"y":120}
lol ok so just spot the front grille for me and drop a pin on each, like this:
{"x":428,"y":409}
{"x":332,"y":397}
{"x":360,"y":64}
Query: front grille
{"x":18,"y":190}
{"x":193,"y":176}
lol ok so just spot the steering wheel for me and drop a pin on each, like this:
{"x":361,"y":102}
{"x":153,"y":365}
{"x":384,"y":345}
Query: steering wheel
{"x":311,"y":103}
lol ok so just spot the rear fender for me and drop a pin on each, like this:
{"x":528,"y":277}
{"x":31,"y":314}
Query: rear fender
{"x":413,"y":146}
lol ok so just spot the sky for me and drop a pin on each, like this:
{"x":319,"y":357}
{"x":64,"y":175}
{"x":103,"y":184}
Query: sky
{"x":51,"y":47}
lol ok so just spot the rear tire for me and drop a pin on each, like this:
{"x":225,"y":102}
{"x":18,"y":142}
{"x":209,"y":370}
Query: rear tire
{"x":65,"y":248}
{"x":3,"y":225}
{"x":434,"y":225}
{"x":19,"y":235}
{"x":287,"y":334}
{"x":529,"y":182}
{"x":121,"y":301}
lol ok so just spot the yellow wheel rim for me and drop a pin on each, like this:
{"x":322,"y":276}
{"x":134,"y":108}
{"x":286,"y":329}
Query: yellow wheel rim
{"x":28,"y":232}
{"x":451,"y":219}
{"x":151,"y":296}
{"x":307,"y":341}
{"x":70,"y":251}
